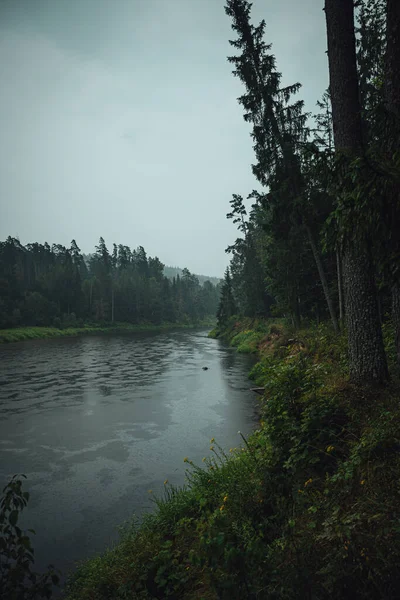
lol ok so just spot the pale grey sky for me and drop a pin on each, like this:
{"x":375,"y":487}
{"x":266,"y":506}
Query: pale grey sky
{"x":119,"y":118}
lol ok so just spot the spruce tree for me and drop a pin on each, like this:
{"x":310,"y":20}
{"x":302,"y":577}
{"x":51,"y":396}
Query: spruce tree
{"x":279,"y":129}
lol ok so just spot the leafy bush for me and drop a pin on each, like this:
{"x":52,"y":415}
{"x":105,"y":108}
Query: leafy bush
{"x":17,"y":579}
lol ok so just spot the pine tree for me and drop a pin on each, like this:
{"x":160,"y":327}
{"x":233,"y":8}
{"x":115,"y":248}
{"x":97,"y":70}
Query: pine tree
{"x":279,"y":129}
{"x":227,"y":306}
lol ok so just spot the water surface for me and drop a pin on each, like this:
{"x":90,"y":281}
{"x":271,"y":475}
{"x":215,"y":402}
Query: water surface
{"x":95,"y":422}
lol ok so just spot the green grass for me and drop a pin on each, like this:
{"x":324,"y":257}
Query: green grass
{"x":246,"y":334}
{"x":308,"y":508}
{"x":31,"y":333}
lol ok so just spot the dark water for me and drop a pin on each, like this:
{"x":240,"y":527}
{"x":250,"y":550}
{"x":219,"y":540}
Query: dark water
{"x":95,"y":422}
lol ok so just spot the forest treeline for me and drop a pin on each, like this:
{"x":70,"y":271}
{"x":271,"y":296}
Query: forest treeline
{"x":54,"y":285}
{"x":321,"y":238}
{"x":172,"y":272}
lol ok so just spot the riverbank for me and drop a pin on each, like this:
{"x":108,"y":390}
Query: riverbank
{"x":309,"y":508}
{"x":33,"y":333}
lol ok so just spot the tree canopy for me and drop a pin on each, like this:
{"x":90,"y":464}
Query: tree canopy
{"x":320,"y":239}
{"x":54,"y":285}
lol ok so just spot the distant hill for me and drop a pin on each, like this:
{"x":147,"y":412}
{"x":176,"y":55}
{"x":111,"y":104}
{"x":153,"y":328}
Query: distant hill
{"x":171,"y":272}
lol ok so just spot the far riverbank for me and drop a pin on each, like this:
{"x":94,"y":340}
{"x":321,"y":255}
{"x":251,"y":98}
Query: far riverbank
{"x":19,"y":334}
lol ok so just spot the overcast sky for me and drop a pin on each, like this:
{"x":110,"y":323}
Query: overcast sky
{"x":119,"y":118}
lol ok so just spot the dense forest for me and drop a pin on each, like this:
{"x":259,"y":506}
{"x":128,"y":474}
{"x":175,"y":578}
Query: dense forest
{"x":321,"y":238}
{"x":54,"y":285}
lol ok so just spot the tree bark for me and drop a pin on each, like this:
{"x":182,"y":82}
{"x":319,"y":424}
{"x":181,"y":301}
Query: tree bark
{"x":367,"y":359}
{"x":112,"y":305}
{"x":366,"y":353}
{"x":392,"y":58}
{"x":392,"y":100}
{"x":346,"y":111}
{"x":340,"y":286}
{"x":322,"y":276}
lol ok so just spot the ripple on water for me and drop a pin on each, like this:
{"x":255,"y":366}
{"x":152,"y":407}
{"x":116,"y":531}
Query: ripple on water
{"x":95,"y":422}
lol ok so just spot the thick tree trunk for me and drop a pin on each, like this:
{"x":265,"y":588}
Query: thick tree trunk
{"x":392,"y":59}
{"x":346,"y":112}
{"x":340,"y":286}
{"x":367,"y":359}
{"x":322,"y":277}
{"x":392,"y":99}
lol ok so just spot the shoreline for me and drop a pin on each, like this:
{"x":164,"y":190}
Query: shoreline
{"x":22,"y":334}
{"x":324,"y":446}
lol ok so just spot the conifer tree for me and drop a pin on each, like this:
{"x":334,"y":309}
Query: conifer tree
{"x":279,"y":130}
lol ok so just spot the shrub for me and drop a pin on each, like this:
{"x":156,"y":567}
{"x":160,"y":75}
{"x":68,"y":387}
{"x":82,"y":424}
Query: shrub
{"x":17,"y":579}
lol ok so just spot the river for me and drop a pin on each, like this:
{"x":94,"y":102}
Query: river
{"x":96,"y":422}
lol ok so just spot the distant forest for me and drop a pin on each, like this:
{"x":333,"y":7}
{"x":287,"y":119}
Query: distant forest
{"x":172,"y":272}
{"x":54,"y":285}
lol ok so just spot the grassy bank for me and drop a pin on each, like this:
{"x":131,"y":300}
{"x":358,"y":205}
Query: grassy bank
{"x":309,"y":508}
{"x":33,"y":333}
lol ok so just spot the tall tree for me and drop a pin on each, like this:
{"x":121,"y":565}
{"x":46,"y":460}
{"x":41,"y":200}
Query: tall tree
{"x":367,"y":358}
{"x":227,"y":306}
{"x":279,"y":126}
{"x":246,"y":265}
{"x":392,"y":104}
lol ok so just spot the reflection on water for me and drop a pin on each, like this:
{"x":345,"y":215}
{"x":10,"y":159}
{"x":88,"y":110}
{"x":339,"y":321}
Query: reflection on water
{"x":95,"y":422}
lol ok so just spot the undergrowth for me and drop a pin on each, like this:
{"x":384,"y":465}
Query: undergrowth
{"x":308,"y":508}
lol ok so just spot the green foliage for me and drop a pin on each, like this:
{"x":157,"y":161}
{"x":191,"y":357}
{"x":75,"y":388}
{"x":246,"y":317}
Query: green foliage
{"x":17,"y":579}
{"x":247,"y":341}
{"x":277,"y":263}
{"x":227,"y":305}
{"x":42,"y":286}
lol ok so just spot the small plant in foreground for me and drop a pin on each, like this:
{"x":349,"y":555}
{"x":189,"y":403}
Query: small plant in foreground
{"x":17,"y":579}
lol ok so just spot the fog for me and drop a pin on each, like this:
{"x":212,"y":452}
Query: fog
{"x":120,"y":118}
